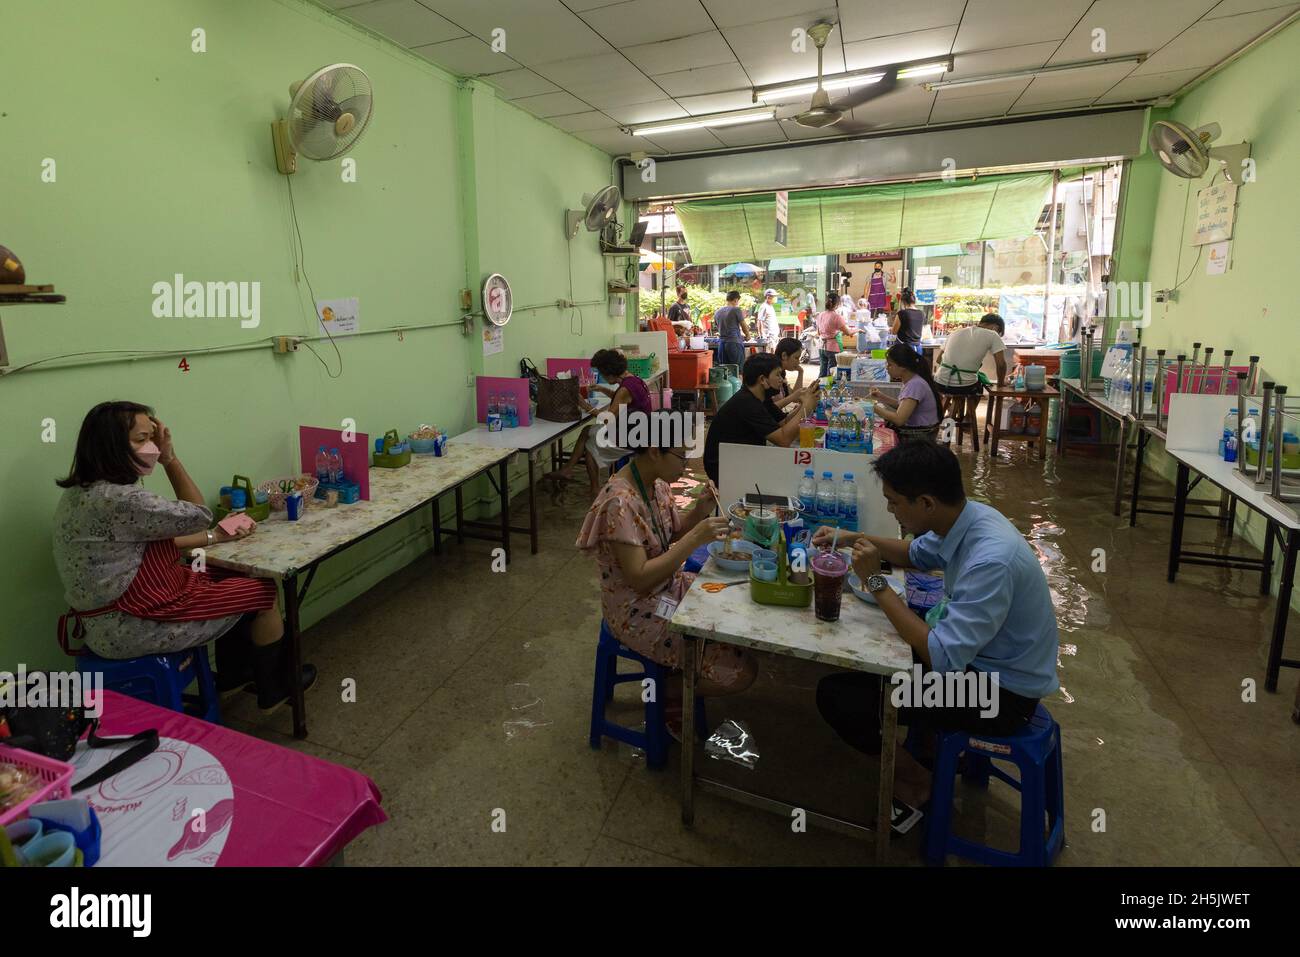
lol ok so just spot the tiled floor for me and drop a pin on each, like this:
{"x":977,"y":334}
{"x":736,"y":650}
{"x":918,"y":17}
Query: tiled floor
{"x":473,"y":697}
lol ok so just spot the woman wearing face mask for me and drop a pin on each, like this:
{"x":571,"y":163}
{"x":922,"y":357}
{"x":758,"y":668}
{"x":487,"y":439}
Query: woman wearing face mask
{"x":118,"y":546}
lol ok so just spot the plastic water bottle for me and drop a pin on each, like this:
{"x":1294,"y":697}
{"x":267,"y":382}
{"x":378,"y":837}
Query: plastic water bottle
{"x":808,"y":492}
{"x":848,"y":500}
{"x":322,"y":465}
{"x":869,"y":438}
{"x":494,"y":405}
{"x":834,"y":433}
{"x":512,"y":412}
{"x":1020,"y":380}
{"x":1229,"y":429}
{"x":827,"y":499}
{"x":335,"y":466}
{"x":1230,"y":448}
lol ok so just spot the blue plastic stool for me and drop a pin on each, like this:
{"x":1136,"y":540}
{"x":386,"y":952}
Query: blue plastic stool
{"x":654,"y":739}
{"x":1036,"y":750}
{"x":160,"y":679}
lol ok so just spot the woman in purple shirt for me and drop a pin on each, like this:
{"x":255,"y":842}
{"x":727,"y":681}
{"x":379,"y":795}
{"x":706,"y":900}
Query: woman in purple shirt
{"x":915,"y":412}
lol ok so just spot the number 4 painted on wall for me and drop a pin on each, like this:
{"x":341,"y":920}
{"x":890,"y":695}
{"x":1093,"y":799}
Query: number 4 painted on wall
{"x":183,"y":365}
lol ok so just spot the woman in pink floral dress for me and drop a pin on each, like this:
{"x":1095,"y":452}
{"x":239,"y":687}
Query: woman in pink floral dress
{"x":641,"y":541}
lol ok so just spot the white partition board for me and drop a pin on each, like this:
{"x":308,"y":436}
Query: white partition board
{"x":1195,"y":422}
{"x":778,"y":471}
{"x":649,"y":342}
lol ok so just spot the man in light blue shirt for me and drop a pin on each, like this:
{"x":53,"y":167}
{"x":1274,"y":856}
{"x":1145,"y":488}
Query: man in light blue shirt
{"x":988,"y":649}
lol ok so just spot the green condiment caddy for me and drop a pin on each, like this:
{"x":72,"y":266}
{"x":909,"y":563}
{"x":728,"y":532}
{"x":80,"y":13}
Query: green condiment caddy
{"x":782,"y":591}
{"x":258,"y":512}
{"x":388,"y":459}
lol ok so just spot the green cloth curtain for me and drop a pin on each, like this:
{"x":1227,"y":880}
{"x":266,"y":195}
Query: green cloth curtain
{"x":822,"y":222}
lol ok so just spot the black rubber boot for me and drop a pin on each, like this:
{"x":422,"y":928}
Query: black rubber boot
{"x":270,"y":668}
{"x":234,"y":662}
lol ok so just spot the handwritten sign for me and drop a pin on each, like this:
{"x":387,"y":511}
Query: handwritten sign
{"x":1216,"y":209}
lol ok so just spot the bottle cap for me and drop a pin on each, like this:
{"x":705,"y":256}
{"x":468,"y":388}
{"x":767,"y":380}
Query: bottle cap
{"x":826,"y":475}
{"x":848,"y":476}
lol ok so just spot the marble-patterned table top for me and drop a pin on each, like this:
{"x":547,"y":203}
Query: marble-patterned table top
{"x":862,"y":640}
{"x":279,"y":547}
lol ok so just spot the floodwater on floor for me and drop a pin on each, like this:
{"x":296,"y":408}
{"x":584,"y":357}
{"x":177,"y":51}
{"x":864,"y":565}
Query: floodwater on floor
{"x":474,"y":700}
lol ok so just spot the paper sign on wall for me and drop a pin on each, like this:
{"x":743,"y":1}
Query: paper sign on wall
{"x":1217,"y":263}
{"x":494,"y":341}
{"x":339,"y":317}
{"x":1216,"y":209}
{"x":927,"y":284}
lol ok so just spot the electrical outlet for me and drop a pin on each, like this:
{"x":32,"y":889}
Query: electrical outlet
{"x":286,"y":344}
{"x":469,"y":379}
{"x":466,"y":300}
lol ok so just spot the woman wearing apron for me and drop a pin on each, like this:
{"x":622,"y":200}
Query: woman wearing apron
{"x":958,"y":377}
{"x":877,"y":294}
{"x":117,"y":547}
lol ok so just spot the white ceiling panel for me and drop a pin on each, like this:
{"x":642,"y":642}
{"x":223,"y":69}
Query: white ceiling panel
{"x":609,"y":69}
{"x":646,"y":112}
{"x":901,"y":108}
{"x":552,"y":104}
{"x":1045,"y":107}
{"x":734,"y":13}
{"x":578,"y":122}
{"x":606,"y":97}
{"x":537,"y":31}
{"x":467,"y":56}
{"x":686,"y":53}
{"x":1206,"y":43}
{"x":1230,"y":8}
{"x":1130,"y":27}
{"x":1074,"y":84}
{"x":612,"y":140}
{"x":765,"y":49}
{"x":686,"y":141}
{"x":645,"y":21}
{"x":750,"y":134}
{"x":989,"y":24}
{"x":582,"y":6}
{"x":517,"y":83}
{"x":709,"y":79}
{"x":921,"y":45}
{"x":1008,"y":60}
{"x":867,"y":19}
{"x":1149,"y":87}
{"x":405,"y":22}
{"x":717,"y":102}
{"x":949,"y":109}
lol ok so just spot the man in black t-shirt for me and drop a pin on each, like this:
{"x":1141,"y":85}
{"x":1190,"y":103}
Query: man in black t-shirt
{"x":679,"y":314}
{"x":749,"y":417}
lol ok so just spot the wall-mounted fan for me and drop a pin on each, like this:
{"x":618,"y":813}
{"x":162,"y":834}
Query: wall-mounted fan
{"x":328,"y":112}
{"x":599,"y":212}
{"x":821,"y":112}
{"x":1186,"y":152}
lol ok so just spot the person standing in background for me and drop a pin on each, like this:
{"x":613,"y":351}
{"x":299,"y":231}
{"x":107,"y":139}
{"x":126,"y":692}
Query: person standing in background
{"x":679,"y":314}
{"x":877,"y":294}
{"x":769,"y":329}
{"x":830,"y":323}
{"x":908,"y":322}
{"x":733,"y":330}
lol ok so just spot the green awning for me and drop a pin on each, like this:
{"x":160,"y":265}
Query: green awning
{"x":830,"y":221}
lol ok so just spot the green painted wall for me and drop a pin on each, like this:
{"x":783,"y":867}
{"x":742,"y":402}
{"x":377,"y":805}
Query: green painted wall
{"x":1250,"y":308}
{"x":164,"y":165}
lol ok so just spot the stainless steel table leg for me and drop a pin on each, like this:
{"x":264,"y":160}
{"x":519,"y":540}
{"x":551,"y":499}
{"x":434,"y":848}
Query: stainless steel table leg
{"x":690,"y":648}
{"x":885,"y":799}
{"x":1121,"y":459}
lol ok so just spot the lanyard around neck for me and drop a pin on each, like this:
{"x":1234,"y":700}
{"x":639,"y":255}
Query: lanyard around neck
{"x":654,"y":518}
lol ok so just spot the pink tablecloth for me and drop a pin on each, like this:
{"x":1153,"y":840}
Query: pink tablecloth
{"x":211,"y":796}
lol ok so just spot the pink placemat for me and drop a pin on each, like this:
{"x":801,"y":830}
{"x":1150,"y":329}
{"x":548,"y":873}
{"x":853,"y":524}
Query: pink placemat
{"x":486,"y":384}
{"x":576,"y":366}
{"x":356,"y":454}
{"x":264,"y":805}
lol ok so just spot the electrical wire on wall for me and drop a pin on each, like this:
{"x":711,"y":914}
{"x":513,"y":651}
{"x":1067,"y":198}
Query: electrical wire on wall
{"x":568,"y":255}
{"x":300,"y":263}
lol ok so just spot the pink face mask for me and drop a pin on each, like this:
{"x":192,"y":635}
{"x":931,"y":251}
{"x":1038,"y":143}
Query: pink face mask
{"x":148,"y":454}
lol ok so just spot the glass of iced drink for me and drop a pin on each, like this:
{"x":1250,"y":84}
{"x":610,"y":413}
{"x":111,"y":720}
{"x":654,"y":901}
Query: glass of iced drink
{"x":829,"y":569}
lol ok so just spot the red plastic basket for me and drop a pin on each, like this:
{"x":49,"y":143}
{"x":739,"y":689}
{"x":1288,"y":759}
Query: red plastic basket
{"x":57,"y":776}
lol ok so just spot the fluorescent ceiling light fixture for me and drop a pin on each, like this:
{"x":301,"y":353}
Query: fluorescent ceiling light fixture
{"x":1024,"y":74}
{"x":840,"y":82}
{"x":700,"y":122}
{"x":925,"y":69}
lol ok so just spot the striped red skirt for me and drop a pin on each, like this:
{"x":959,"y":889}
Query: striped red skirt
{"x":165,"y":590}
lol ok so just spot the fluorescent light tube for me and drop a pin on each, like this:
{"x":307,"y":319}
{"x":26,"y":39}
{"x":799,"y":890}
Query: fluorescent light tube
{"x":841,"y":82}
{"x":925,"y":69}
{"x":701,"y":122}
{"x":1026,"y":74}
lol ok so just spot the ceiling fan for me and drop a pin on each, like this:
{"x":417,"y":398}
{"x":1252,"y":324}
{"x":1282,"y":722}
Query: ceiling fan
{"x":821,"y":112}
